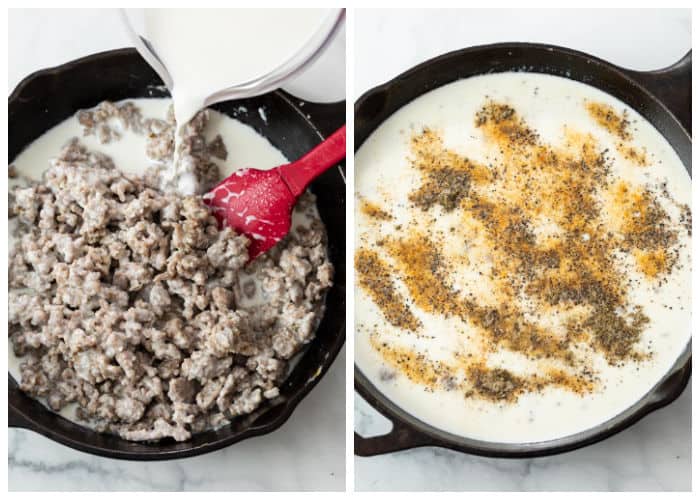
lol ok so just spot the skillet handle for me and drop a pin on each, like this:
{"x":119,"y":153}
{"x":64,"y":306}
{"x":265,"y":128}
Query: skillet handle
{"x":671,"y":388}
{"x":672,"y":86}
{"x":401,"y":437}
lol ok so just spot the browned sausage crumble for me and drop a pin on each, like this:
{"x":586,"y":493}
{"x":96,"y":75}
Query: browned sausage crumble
{"x":130,"y":303}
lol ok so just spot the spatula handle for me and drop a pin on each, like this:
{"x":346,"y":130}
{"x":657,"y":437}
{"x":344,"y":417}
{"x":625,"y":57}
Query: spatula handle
{"x":299,"y":174}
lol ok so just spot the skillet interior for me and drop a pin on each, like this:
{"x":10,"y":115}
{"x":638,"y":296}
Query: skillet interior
{"x":379,"y":103}
{"x":48,"y":97}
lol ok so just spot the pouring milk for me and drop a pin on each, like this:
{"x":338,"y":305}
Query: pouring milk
{"x":210,"y":55}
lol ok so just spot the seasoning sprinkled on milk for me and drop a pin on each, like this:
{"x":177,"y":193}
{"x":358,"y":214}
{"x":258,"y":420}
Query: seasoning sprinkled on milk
{"x":523,"y":257}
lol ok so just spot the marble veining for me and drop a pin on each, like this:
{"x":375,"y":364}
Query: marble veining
{"x":652,"y":455}
{"x":306,"y":453}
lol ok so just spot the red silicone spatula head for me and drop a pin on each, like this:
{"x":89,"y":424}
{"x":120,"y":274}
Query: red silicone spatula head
{"x":259,"y":203}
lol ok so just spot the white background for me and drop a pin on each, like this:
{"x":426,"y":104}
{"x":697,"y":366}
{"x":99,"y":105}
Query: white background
{"x":388,"y":42}
{"x":654,"y":454}
{"x":307,"y":453}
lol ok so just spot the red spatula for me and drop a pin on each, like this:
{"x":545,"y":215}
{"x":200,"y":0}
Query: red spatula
{"x":259,"y":203}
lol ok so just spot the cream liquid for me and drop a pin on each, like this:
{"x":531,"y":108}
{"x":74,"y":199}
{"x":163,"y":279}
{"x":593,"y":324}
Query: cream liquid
{"x":245,"y":148}
{"x":382,"y":172}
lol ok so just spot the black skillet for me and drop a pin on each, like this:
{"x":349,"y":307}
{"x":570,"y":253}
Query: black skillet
{"x":48,"y":97}
{"x":662,"y":97}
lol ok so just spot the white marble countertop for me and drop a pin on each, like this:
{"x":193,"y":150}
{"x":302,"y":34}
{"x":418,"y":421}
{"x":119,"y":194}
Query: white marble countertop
{"x":654,"y":454}
{"x":306,"y":453}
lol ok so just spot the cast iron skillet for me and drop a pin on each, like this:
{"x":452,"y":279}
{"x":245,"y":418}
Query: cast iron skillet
{"x":656,"y":95}
{"x":47,"y":97}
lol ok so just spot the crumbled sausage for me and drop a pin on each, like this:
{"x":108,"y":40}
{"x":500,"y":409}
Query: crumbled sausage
{"x":127,"y":299}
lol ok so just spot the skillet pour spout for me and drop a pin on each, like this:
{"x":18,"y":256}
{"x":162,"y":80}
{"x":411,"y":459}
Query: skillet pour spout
{"x":294,"y":127}
{"x":662,"y":97}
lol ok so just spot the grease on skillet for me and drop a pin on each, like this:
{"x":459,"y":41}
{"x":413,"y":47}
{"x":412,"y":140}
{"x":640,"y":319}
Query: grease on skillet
{"x":130,"y":311}
{"x":535,"y":233}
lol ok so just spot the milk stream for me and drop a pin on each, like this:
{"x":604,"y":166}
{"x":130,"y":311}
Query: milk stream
{"x":546,"y":103}
{"x":209,"y":50}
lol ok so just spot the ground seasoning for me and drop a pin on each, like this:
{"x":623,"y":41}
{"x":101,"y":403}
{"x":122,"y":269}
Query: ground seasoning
{"x":637,"y":156}
{"x":606,"y":116}
{"x":618,"y":124}
{"x":615,"y":335}
{"x":641,"y":219}
{"x":417,"y":367}
{"x":502,"y":121}
{"x":686,"y":219}
{"x":653,"y":262}
{"x":374,"y":276}
{"x":448,"y":176}
{"x":495,"y":384}
{"x":445,"y":187}
{"x":646,"y":228}
{"x":554,"y":223}
{"x":374,"y":211}
{"x":420,"y":267}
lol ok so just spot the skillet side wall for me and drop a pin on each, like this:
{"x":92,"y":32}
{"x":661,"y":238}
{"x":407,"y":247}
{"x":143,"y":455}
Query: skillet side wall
{"x":381,"y":102}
